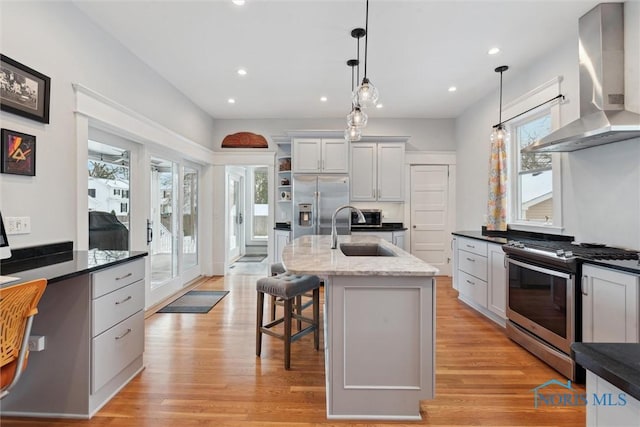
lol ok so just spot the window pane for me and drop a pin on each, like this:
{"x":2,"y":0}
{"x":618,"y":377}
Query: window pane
{"x":535,"y":183}
{"x":190,"y":218}
{"x":260,"y":203}
{"x":108,"y":184}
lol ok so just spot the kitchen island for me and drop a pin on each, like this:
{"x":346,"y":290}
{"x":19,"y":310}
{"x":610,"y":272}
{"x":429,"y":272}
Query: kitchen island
{"x":379,"y":325}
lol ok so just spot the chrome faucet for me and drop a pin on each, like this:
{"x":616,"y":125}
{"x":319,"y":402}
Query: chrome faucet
{"x":334,"y":232}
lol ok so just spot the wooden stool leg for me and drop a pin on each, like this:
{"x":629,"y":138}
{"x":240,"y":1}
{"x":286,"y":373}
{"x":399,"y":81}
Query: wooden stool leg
{"x":288,"y":309}
{"x":273,"y":308}
{"x":299,"y":310}
{"x":259,"y":323}
{"x":316,"y":318}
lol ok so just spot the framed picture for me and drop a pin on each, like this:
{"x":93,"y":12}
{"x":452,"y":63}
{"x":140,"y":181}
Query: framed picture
{"x":24,"y":91}
{"x":18,"y":154}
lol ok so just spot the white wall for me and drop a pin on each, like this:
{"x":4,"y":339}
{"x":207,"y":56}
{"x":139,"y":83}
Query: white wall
{"x":601,"y":186}
{"x":58,"y":40}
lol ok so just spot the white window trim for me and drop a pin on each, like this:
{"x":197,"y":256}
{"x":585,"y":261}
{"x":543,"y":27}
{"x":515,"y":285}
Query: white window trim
{"x":251,"y":195}
{"x":529,"y":100}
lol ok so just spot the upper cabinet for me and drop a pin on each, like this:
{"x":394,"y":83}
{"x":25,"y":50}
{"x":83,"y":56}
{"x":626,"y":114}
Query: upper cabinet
{"x":377,"y":171}
{"x":320,"y":155}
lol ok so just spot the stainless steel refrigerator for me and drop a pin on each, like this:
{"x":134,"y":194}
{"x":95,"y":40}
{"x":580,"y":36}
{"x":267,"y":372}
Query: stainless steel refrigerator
{"x":315,"y":198}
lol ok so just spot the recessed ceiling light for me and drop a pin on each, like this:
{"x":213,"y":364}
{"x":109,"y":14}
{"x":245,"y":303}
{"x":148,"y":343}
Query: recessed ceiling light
{"x":238,"y":2}
{"x":453,"y":89}
{"x":242,"y":72}
{"x":493,"y":51}
{"x":231,"y":101}
{"x":379,"y":105}
{"x":323,"y":98}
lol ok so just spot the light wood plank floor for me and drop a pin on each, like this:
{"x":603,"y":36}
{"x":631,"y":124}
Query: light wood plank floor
{"x":201,"y":370}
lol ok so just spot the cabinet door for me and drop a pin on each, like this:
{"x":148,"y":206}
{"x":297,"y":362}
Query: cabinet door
{"x":398,"y":239}
{"x":282,"y":239}
{"x":609,"y":305}
{"x":454,"y":270}
{"x":497,"y":281}
{"x":363,"y":171}
{"x":390,"y":178}
{"x":306,"y":155}
{"x":335,"y":156}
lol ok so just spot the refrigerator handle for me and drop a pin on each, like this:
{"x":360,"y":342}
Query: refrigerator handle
{"x":317,"y":212}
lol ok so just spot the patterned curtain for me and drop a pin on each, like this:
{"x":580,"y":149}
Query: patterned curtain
{"x":497,"y":204}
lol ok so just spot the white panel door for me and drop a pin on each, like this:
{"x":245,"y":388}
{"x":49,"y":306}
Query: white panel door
{"x":497,"y":279}
{"x":335,"y":156}
{"x":430,"y":232}
{"x":306,"y":155}
{"x":363,"y":171}
{"x":390,"y":186}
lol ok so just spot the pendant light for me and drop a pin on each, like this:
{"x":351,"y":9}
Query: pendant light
{"x":499,"y":131}
{"x":367,"y":94}
{"x":356,"y":117}
{"x":353,"y":132}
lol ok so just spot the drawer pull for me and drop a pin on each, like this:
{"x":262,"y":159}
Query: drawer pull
{"x":125,"y":276}
{"x":125,"y":334}
{"x":124,"y":300}
{"x":471,"y":246}
{"x":471,"y":259}
{"x":470,"y":282}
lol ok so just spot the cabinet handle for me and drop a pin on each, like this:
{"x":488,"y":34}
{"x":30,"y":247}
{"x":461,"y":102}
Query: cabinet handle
{"x":124,"y":300}
{"x":471,"y":259}
{"x":323,"y":164}
{"x":470,"y":282}
{"x":470,"y":246}
{"x":379,"y":193}
{"x":583,"y":288}
{"x":124,"y":335}
{"x":318,"y":166}
{"x":125,"y":276}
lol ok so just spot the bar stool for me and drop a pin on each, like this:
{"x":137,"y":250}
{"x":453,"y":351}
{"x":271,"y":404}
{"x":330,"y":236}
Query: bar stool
{"x":278,"y":268}
{"x":287,"y":286}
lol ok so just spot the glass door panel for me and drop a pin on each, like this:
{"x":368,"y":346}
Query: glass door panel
{"x":163,"y":247}
{"x":235,"y":219}
{"x":190,"y":218}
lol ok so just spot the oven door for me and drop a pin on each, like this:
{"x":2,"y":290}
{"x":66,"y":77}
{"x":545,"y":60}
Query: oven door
{"x":541,"y":301}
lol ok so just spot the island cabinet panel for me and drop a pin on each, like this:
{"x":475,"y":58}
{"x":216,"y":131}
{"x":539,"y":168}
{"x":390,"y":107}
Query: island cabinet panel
{"x":381,"y":346}
{"x":615,"y":413}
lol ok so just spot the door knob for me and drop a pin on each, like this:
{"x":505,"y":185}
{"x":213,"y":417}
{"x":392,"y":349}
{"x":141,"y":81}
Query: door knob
{"x":414,"y":226}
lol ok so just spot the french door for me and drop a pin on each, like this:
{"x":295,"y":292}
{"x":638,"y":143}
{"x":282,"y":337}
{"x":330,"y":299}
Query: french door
{"x":235,"y":212}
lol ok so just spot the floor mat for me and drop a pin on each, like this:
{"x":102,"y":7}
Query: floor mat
{"x":251,"y":258}
{"x":194,"y":302}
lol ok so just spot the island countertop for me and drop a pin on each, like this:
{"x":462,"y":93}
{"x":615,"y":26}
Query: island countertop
{"x":313,"y":255}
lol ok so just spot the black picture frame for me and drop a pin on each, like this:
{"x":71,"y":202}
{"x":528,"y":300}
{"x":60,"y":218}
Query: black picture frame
{"x":17,"y":153}
{"x":23,"y":90}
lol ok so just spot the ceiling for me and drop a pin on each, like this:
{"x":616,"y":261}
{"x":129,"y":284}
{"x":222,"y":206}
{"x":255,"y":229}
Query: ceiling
{"x":296,"y":51}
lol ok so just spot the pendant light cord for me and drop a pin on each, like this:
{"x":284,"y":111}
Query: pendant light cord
{"x":366,"y":40}
{"x":500,"y":110}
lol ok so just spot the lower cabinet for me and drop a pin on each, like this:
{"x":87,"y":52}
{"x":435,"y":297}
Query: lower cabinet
{"x":610,"y":311}
{"x":614,"y":412}
{"x":283,"y":237}
{"x":480,"y":276}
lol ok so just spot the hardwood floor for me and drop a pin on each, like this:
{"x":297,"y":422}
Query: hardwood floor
{"x":201,"y":370}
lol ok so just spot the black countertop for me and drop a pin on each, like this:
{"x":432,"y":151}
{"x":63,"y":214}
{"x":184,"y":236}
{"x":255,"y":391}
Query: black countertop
{"x":478,"y":235}
{"x":617,"y":363}
{"x":386,"y":226}
{"x":65,"y":265}
{"x":628,"y":265}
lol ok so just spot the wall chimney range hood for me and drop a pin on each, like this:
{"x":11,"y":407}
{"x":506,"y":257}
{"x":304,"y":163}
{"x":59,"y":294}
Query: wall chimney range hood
{"x":603,"y":118}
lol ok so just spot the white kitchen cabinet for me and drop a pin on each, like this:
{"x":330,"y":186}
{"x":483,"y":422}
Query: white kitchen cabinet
{"x":377,"y":171}
{"x":610,"y":311}
{"x":398,"y":239}
{"x":454,"y":269}
{"x":320,"y":155}
{"x":610,"y":415}
{"x":497,"y":280}
{"x":480,"y":277}
{"x":283,"y":237}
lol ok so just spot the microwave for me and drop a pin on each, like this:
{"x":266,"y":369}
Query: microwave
{"x":372,"y":217}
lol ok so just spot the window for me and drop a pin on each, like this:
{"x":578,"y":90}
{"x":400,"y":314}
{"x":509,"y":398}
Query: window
{"x":125,"y":194}
{"x":92,"y":193}
{"x":534,"y":194}
{"x":260,"y":201}
{"x":116,"y":191}
{"x":124,"y":207}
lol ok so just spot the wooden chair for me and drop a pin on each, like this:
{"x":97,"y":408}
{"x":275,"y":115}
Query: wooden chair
{"x":18,"y":305}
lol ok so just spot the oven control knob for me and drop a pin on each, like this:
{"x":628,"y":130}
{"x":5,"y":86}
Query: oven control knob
{"x":560,"y":252}
{"x":568,"y":254}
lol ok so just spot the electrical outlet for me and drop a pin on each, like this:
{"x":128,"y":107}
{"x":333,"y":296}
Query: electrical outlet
{"x":18,"y":225}
{"x":36,"y":343}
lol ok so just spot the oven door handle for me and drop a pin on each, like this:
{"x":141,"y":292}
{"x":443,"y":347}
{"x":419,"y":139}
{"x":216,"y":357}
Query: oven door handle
{"x":539,"y":269}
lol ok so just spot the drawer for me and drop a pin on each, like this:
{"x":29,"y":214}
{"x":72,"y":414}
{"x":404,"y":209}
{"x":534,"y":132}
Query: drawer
{"x":473,"y":264}
{"x":115,"y":349}
{"x":473,"y":288}
{"x":116,"y":306}
{"x":113,"y":278}
{"x":472,"y":245}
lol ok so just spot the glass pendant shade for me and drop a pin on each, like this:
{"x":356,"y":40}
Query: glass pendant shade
{"x":357,"y":117}
{"x":366,"y":95}
{"x":500,"y":134}
{"x":353,"y":133}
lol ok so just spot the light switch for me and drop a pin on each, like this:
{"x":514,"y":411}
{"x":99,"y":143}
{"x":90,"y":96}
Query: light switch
{"x":18,"y":225}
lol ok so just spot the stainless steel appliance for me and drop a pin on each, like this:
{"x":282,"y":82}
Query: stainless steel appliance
{"x":372,"y":218}
{"x":544,"y":307}
{"x":315,"y":198}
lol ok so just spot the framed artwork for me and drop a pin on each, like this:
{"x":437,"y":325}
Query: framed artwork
{"x":18,"y":154}
{"x":24,"y":91}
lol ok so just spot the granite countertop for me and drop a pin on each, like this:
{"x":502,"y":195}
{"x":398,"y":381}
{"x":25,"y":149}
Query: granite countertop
{"x":617,"y":363}
{"x":475,"y":234}
{"x":65,"y":265}
{"x":313,"y":255}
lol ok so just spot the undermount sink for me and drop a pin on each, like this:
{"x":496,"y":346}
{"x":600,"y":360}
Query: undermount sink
{"x":365,"y":249}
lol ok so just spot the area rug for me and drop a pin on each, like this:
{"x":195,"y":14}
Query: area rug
{"x":194,"y":302}
{"x":252,"y":258}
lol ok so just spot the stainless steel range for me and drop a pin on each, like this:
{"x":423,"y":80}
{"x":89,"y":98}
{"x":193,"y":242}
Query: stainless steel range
{"x":544,"y":308}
